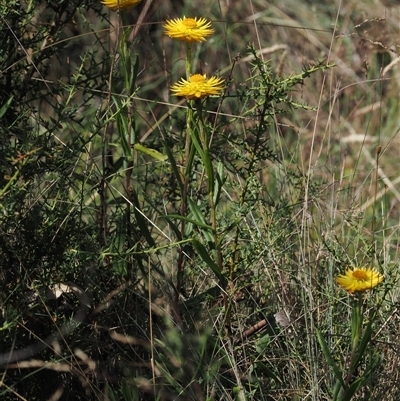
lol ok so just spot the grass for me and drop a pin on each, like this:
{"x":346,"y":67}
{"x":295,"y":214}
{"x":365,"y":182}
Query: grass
{"x":137,"y":264}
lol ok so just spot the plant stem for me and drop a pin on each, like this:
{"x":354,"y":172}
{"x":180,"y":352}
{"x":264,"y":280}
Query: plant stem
{"x":186,"y":167}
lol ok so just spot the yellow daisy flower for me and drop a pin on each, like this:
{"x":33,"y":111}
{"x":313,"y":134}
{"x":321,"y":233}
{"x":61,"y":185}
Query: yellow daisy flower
{"x":359,"y":279}
{"x":188,"y":30}
{"x":120,"y":4}
{"x":198,"y":87}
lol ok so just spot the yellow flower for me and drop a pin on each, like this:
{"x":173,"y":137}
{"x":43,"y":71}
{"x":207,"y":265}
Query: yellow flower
{"x":359,"y":279}
{"x":120,"y":4}
{"x":198,"y":87}
{"x":188,"y":30}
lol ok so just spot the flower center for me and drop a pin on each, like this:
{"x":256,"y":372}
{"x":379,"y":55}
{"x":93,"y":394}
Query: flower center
{"x":189,"y":23}
{"x":360,"y":275}
{"x":197,"y":79}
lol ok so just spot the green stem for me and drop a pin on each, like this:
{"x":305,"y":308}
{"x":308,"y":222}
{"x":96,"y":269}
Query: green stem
{"x":205,"y":142}
{"x":356,"y":321}
{"x":188,"y":60}
{"x":356,"y":327}
{"x":186,"y":167}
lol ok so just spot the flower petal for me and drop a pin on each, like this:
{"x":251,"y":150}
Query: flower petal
{"x":188,"y":30}
{"x":198,"y":87}
{"x":359,"y":279}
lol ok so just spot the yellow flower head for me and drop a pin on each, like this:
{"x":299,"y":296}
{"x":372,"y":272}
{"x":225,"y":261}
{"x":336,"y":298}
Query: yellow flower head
{"x":359,"y":279}
{"x":120,"y":4}
{"x":188,"y":30}
{"x":198,"y":87}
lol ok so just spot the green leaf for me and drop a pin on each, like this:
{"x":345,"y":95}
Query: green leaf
{"x":348,"y":395}
{"x":195,"y":301}
{"x":219,"y":182}
{"x":362,"y":381}
{"x":130,"y":63}
{"x":198,"y":216}
{"x":172,"y":226}
{"x":141,"y":221}
{"x":117,"y":245}
{"x":366,"y":338}
{"x":197,"y":145}
{"x":174,"y":167}
{"x":329,"y":358}
{"x":129,"y":392}
{"x":122,"y":127}
{"x":6,"y":106}
{"x":155,"y":154}
{"x":263,"y":343}
{"x":188,"y":220}
{"x":201,"y":250}
{"x":133,"y":74}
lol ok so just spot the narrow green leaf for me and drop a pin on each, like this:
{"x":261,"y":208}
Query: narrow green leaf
{"x":195,"y":301}
{"x":376,"y":360}
{"x":141,"y":221}
{"x":173,"y":227}
{"x":362,"y":347}
{"x":202,"y":251}
{"x":6,"y":106}
{"x":129,"y":392}
{"x":210,"y":172}
{"x":329,"y":358}
{"x":133,"y":73}
{"x":354,"y":387}
{"x":362,"y":381}
{"x":190,"y":162}
{"x":122,"y":128}
{"x":337,"y":389}
{"x":151,"y":202}
{"x":155,"y":154}
{"x":219,"y":182}
{"x":197,"y":144}
{"x":130,"y":64}
{"x":198,"y":215}
{"x":188,"y":220}
{"x":117,"y":245}
{"x":174,"y":167}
